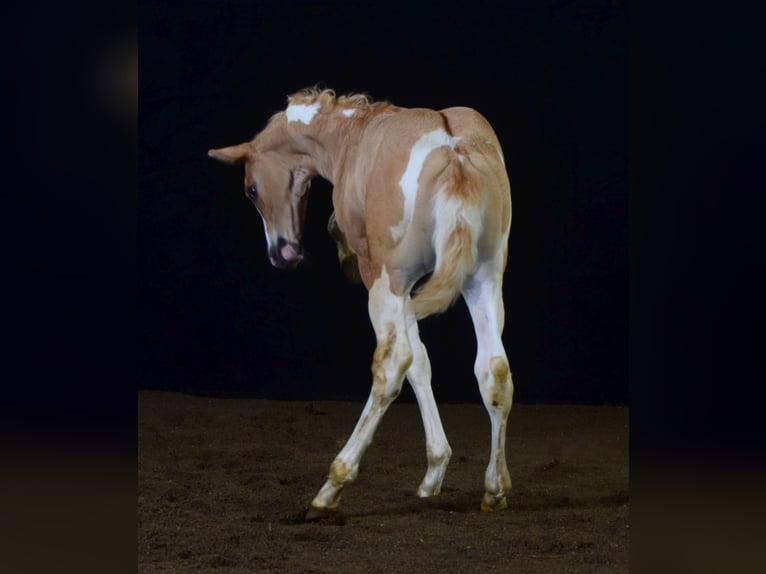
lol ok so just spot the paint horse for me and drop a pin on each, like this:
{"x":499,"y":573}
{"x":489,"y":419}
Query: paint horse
{"x":415,"y":192}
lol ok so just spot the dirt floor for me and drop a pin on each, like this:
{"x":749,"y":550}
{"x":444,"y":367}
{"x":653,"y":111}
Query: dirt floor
{"x":221,"y":482}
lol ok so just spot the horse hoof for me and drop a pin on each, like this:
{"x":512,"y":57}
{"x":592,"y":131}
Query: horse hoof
{"x":491,"y":503}
{"x":324,"y":516}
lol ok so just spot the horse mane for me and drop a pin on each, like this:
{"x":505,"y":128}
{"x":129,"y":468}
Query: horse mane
{"x":327,"y":98}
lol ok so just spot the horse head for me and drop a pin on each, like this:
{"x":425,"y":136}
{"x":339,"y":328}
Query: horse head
{"x":277,"y":183}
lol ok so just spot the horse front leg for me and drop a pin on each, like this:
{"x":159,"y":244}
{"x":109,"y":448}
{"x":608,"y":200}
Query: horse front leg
{"x":392,"y":358}
{"x":346,"y":256}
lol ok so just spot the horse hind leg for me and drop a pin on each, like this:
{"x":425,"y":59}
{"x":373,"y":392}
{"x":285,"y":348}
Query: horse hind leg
{"x":392,"y":359}
{"x":497,"y":394}
{"x":483,"y":295}
{"x":438,"y":450}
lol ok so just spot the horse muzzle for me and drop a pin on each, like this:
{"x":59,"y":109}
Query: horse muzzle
{"x":285,"y":254}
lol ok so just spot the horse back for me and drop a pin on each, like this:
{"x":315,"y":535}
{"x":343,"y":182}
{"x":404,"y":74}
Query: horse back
{"x":403,"y":161}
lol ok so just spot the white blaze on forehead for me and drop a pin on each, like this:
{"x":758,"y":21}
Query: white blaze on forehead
{"x":302,"y":112}
{"x":349,"y":112}
{"x":409,"y":182}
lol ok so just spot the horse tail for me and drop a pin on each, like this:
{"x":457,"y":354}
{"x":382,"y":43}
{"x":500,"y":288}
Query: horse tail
{"x":456,"y":231}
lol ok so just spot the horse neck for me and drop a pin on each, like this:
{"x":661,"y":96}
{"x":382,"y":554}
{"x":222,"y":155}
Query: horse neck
{"x":326,"y":139}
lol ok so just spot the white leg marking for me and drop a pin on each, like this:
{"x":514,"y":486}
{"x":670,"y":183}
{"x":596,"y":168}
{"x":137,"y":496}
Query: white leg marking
{"x":391,"y":360}
{"x":483,"y":295}
{"x":438,"y":450}
{"x":409,"y":181}
{"x":302,"y":112}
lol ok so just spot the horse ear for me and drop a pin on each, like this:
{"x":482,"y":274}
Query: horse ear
{"x":231,"y":154}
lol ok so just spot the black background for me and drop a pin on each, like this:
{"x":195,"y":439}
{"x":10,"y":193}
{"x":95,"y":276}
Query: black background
{"x":73,"y":332}
{"x":551,"y":77}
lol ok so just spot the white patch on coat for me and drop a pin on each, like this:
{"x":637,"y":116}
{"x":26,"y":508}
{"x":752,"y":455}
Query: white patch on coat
{"x":409,"y":181}
{"x":302,"y":112}
{"x":384,"y":307}
{"x":349,"y":112}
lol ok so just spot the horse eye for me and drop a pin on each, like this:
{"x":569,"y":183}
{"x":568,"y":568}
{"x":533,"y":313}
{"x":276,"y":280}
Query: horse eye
{"x":252,"y":192}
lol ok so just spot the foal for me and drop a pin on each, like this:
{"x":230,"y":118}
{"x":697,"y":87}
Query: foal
{"x":415,"y":191}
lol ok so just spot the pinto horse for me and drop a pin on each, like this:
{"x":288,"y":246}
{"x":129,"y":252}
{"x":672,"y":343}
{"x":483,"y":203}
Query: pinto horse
{"x":415,"y":192}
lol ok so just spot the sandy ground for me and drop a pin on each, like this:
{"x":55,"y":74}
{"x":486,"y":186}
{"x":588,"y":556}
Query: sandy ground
{"x":221,"y":482}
